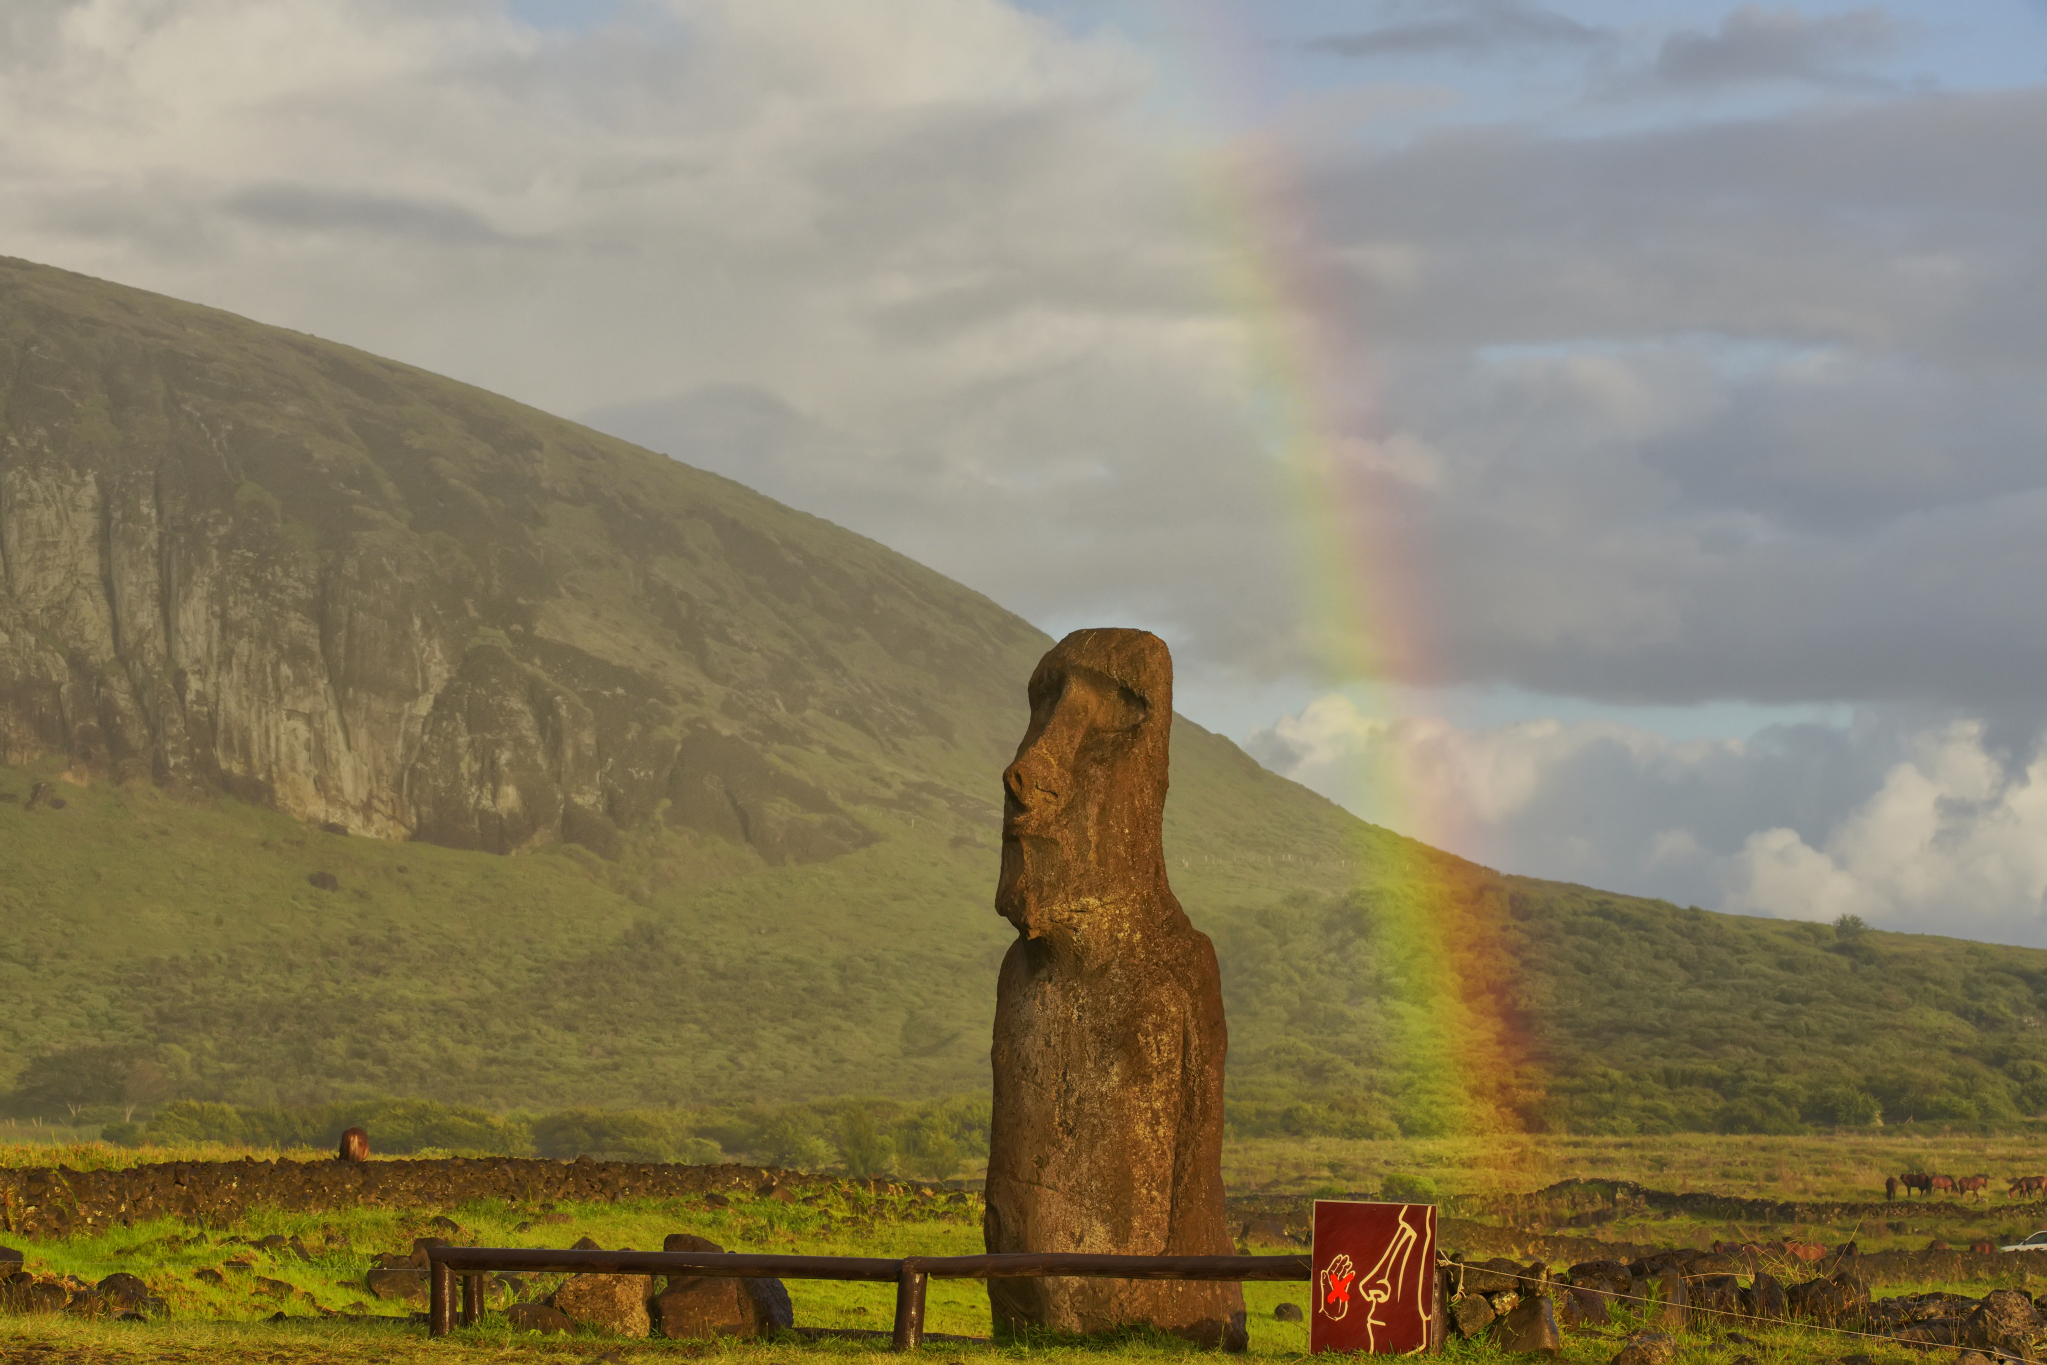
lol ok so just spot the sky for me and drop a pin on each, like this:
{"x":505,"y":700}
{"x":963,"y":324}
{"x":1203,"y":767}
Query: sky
{"x":1608,"y":440}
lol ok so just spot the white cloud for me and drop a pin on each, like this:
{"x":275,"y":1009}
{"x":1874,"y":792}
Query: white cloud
{"x":1951,"y":843}
{"x":1915,"y":827}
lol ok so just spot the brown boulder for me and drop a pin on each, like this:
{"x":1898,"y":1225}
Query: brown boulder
{"x":537,"y":1317}
{"x":1531,"y":1329}
{"x":2005,"y":1321}
{"x":398,"y":1286}
{"x":1765,"y":1299}
{"x":1471,"y":1315}
{"x":703,"y":1306}
{"x":1647,"y":1348}
{"x":611,"y":1303}
{"x":1109,"y":1032}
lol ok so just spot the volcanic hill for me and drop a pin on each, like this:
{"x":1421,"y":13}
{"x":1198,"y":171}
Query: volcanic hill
{"x":297,"y":643}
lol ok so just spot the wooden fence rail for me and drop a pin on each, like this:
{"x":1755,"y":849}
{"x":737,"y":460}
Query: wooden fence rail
{"x":908,"y":1273}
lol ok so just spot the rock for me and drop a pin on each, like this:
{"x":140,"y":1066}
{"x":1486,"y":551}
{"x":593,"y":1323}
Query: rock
{"x":130,"y":1294}
{"x":333,"y":827}
{"x":86,"y":1303}
{"x":717,"y":1201}
{"x":324,"y":881}
{"x":1266,"y":1232}
{"x":41,"y":1296}
{"x":208,"y":1275}
{"x":355,"y":1146}
{"x":1588,"y":1308}
{"x":1531,"y":1329}
{"x":1647,"y":1348}
{"x":10,"y":1261}
{"x":276,"y":1289}
{"x":1670,"y":1309}
{"x":1827,"y":1300}
{"x":1287,"y":1312}
{"x":1471,"y":1315}
{"x":2005,"y":1321}
{"x":585,"y":1244}
{"x":611,"y":1303}
{"x":1494,"y":1276}
{"x":704,"y":1306}
{"x":1766,"y":1298}
{"x":537,"y":1317}
{"x":445,"y":1224}
{"x":1609,"y":1276}
{"x":1109,"y":1036}
{"x":1937,"y":1245}
{"x":276,"y":1241}
{"x":398,"y":1286}
{"x":1715,"y":1300}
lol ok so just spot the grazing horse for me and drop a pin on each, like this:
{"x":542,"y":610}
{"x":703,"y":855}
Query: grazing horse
{"x":1890,"y":1188}
{"x":2026,"y":1184}
{"x":1941,"y":1184}
{"x":1971,"y":1185}
{"x":1916,"y":1181}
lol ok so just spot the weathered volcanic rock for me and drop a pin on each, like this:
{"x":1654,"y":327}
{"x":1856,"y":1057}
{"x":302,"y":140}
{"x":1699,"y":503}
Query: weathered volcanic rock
{"x":1531,"y":1329}
{"x":537,"y":1317}
{"x":1109,"y":1033}
{"x":611,"y":1303}
{"x":398,"y":1286}
{"x":702,"y":1306}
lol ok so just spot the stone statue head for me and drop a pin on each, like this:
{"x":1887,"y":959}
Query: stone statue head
{"x":1084,"y":803}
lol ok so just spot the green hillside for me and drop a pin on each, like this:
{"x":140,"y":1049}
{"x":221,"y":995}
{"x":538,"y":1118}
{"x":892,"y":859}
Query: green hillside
{"x":411,"y":742}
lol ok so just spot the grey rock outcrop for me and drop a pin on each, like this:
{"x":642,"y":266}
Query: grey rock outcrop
{"x":389,"y":604}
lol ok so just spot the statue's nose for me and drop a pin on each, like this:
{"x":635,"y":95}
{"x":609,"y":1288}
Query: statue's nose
{"x":1030,"y":781}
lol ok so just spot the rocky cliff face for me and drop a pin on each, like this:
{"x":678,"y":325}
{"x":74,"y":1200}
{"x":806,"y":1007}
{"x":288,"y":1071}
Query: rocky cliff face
{"x":241,"y":557}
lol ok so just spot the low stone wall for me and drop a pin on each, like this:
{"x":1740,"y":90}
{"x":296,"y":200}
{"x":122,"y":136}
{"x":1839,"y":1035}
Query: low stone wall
{"x":40,"y":1202}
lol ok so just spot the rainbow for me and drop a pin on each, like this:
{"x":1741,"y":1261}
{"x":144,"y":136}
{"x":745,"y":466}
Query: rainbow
{"x":1457,"y":1057}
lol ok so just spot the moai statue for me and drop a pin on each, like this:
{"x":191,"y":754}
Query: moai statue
{"x":1109,"y":1034}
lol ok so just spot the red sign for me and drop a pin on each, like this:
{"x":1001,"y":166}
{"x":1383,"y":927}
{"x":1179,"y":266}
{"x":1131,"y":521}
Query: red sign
{"x":1375,"y":1277}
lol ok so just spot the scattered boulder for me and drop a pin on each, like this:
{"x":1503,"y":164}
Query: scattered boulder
{"x":325,"y":881}
{"x":585,"y":1244}
{"x":1670,"y":1307}
{"x":611,"y":1303}
{"x":2004,"y":1322}
{"x":1266,"y":1232}
{"x":1288,"y":1312}
{"x":128,"y":1293}
{"x":695,"y":1307}
{"x":10,"y":1260}
{"x":537,"y":1317}
{"x":1647,"y":1348}
{"x":398,"y":1286}
{"x":445,"y":1224}
{"x":1715,"y":1299}
{"x":1764,"y":1298}
{"x":1472,"y":1314}
{"x":1531,"y":1329}
{"x":208,"y":1275}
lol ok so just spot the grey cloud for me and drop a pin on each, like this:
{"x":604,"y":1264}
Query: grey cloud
{"x":309,"y":208}
{"x":1755,"y":45}
{"x":1469,"y":28}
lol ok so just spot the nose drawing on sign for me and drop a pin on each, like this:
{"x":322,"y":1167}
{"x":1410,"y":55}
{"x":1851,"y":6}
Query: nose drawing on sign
{"x":1383,"y":1284}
